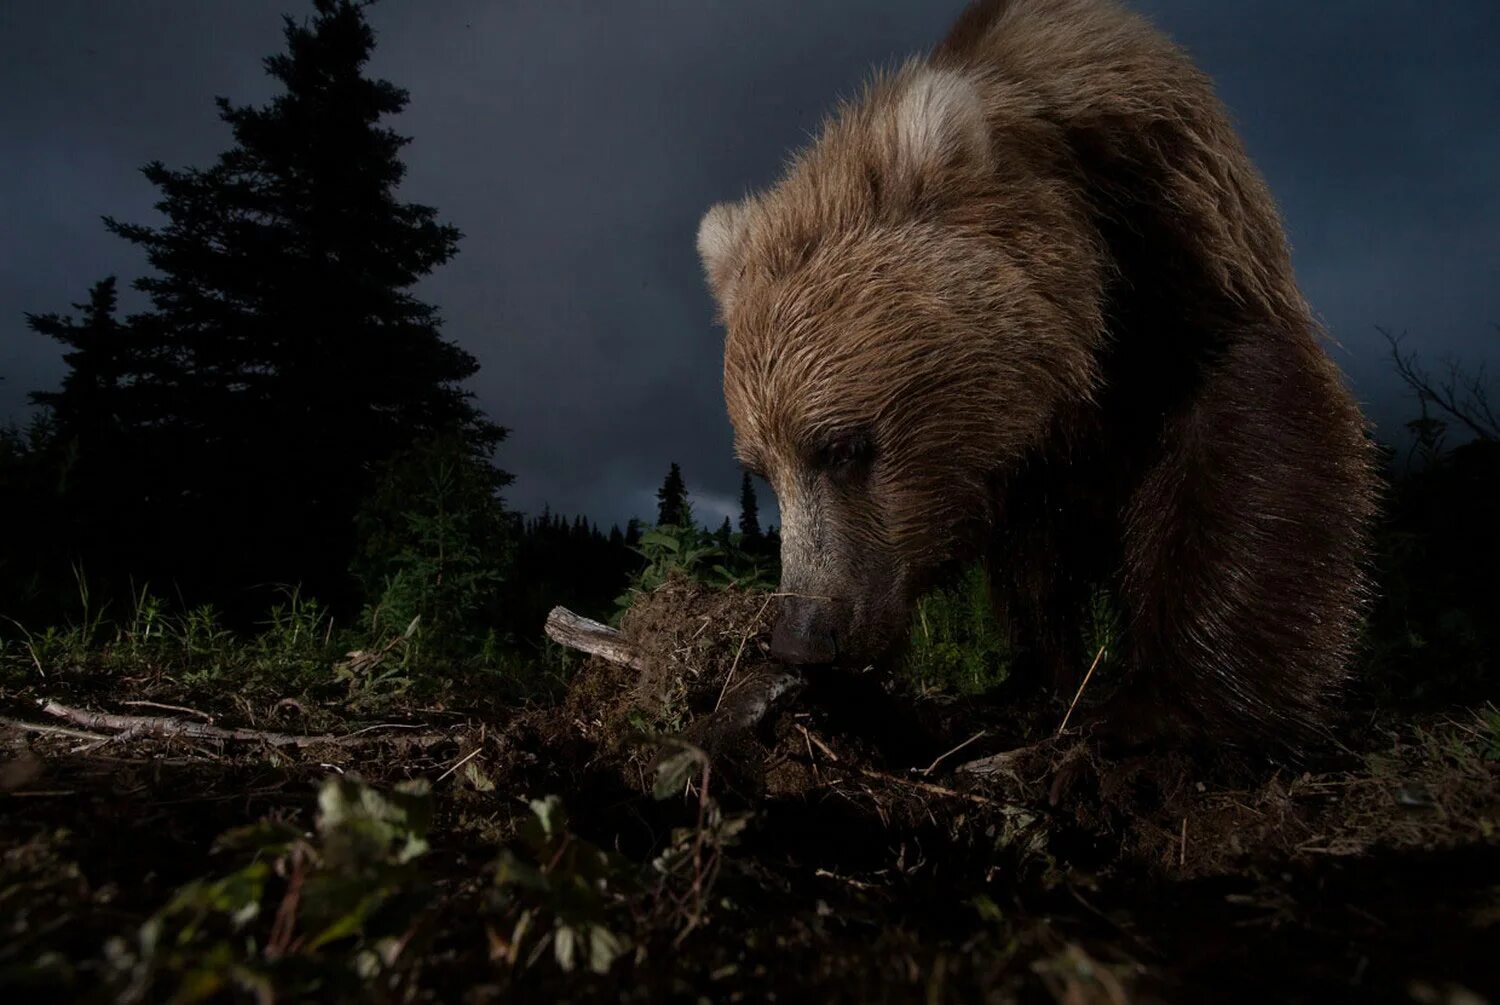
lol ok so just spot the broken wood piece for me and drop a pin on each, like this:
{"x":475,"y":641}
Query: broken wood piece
{"x":589,"y":636}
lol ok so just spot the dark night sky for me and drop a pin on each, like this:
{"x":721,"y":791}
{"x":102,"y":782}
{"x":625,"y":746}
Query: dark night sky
{"x":577,"y":143}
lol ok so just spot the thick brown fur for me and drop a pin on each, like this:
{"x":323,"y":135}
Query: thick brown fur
{"x":1028,"y":299}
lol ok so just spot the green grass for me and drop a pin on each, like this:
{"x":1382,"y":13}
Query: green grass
{"x":957,"y":643}
{"x":298,"y":650}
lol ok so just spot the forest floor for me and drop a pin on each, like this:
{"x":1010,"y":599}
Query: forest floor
{"x":590,"y":850}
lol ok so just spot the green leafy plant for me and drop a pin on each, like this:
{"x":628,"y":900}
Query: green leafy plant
{"x":957,"y":643}
{"x":692,"y":551}
{"x":592,"y":906}
{"x":339,"y":907}
{"x":557,"y":889}
{"x":437,"y":544}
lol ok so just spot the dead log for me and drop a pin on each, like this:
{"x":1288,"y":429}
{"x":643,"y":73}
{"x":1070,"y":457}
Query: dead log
{"x":588,"y":636}
{"x":137,"y":725}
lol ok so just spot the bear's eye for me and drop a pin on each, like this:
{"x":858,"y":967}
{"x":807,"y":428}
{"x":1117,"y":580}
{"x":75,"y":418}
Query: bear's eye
{"x":846,"y":455}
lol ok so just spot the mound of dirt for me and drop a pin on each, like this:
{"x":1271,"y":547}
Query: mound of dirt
{"x":904,"y":755}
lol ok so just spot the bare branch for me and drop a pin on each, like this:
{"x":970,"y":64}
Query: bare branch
{"x":1462,"y":395}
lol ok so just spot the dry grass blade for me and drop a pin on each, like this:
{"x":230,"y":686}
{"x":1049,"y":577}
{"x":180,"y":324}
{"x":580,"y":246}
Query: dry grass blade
{"x":1086,"y":678}
{"x":936,"y":790}
{"x":458,"y":764}
{"x":740,"y":652}
{"x":943,"y":757}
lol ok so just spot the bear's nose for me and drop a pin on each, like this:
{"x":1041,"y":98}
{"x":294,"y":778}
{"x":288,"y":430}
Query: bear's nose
{"x":804,"y":633}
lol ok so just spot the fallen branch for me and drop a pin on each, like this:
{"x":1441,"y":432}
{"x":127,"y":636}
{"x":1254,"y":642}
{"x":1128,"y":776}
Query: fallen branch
{"x":588,"y":636}
{"x":46,"y":730}
{"x":135,"y":725}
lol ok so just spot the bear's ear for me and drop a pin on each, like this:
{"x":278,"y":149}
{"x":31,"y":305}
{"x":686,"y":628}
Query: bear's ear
{"x":721,"y":238}
{"x":936,"y":127}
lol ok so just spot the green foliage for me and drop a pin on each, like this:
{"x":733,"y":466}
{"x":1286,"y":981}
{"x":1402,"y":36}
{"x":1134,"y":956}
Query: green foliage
{"x":1489,"y":733}
{"x":297,"y":651}
{"x":351,"y":908}
{"x":554,"y":888}
{"x":557,"y":888}
{"x":436,"y":545}
{"x":1102,"y":627}
{"x":957,"y":643}
{"x":303,"y":914}
{"x":689,"y":550}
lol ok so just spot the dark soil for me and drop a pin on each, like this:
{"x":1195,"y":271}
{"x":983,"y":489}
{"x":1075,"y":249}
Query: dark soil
{"x":872,"y":866}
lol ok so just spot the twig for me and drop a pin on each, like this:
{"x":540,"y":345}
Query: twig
{"x":811,"y":757}
{"x":858,"y":884}
{"x":936,"y":790}
{"x":943,"y":757}
{"x":164,"y":726}
{"x":811,"y":739}
{"x":1182,"y":849}
{"x":1086,"y":677}
{"x":38,"y":727}
{"x":382,"y":725}
{"x":170,"y":708}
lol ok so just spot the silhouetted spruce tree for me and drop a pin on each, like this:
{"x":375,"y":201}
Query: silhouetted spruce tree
{"x":725,"y":534}
{"x":35,"y":577}
{"x":89,"y":399}
{"x":290,"y":355}
{"x":88,"y":449}
{"x":751,"y":538}
{"x":671,"y":499}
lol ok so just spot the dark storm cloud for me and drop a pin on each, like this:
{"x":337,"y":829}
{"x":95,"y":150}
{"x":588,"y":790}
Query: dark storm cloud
{"x":576,"y":144}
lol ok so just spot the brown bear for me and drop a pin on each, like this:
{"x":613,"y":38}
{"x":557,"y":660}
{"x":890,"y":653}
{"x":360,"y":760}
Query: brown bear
{"x":1027,"y":299}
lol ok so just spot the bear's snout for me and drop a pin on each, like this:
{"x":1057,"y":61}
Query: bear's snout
{"x":806,"y":633}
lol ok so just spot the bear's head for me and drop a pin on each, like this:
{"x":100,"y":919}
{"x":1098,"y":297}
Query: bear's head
{"x":907,"y":311}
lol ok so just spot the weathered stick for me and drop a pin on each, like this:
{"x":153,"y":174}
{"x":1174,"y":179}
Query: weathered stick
{"x":46,"y":730}
{"x":163,"y":726}
{"x":589,"y":636}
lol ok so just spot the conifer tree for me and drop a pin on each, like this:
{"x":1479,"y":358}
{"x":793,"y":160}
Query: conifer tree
{"x":88,"y":403}
{"x":752,"y":539}
{"x":285,"y":356}
{"x":89,"y":449}
{"x":671,"y":498}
